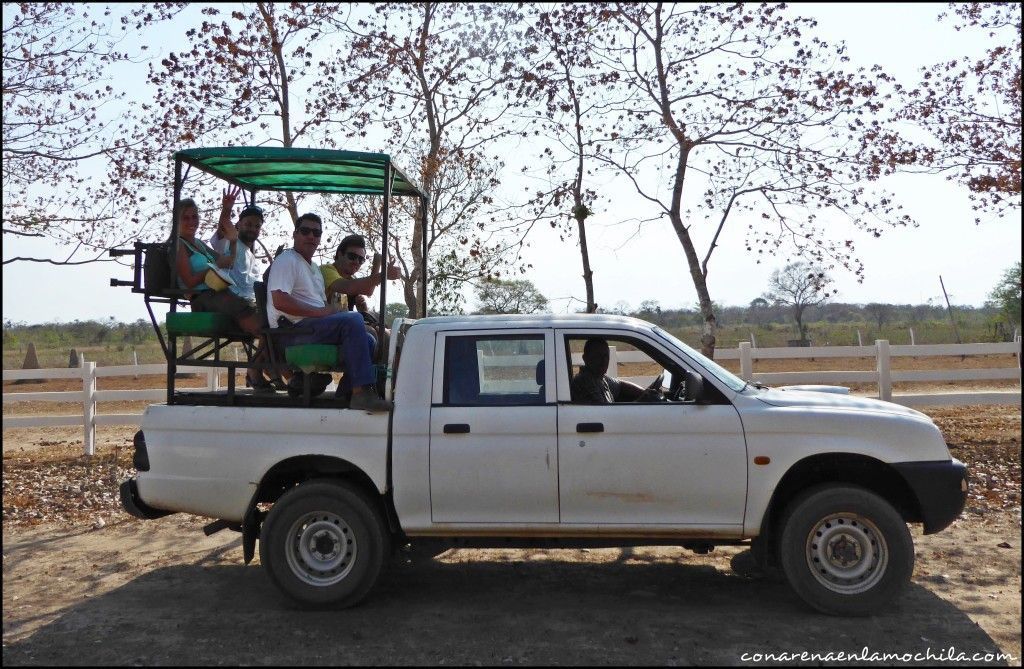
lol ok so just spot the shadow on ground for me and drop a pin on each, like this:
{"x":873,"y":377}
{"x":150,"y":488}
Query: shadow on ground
{"x":507,"y":610}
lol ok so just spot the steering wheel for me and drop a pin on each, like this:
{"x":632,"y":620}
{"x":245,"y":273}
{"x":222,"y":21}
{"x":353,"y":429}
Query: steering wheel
{"x":677,"y":391}
{"x":653,"y":392}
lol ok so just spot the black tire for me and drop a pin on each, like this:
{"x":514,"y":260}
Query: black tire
{"x":845,"y":550}
{"x":324,"y":544}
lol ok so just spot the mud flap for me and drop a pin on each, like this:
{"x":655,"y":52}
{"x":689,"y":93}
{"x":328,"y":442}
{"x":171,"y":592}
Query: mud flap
{"x":250,"y":532}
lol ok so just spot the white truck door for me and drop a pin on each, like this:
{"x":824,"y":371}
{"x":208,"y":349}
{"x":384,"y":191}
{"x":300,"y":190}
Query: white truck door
{"x":646,"y":463}
{"x":493,"y":444}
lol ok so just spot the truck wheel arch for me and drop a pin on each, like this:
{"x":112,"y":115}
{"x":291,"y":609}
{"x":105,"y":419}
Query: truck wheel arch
{"x":848,"y":468}
{"x":290,"y":472}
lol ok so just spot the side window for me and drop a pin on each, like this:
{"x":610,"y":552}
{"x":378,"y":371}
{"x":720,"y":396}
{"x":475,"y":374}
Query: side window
{"x":494,"y":371}
{"x":629,"y":366}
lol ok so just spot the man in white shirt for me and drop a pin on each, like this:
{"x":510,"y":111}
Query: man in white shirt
{"x":243,"y":272}
{"x":295,"y":292}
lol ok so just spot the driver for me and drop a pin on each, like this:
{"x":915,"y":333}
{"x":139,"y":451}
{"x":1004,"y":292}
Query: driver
{"x":593,"y":386}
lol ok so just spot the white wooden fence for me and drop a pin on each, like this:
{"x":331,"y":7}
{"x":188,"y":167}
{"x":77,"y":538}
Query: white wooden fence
{"x":881,"y":375}
{"x":89,"y":395}
{"x":884,"y":376}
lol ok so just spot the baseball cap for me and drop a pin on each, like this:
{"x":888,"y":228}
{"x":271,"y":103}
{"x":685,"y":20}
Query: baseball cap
{"x":251,"y":210}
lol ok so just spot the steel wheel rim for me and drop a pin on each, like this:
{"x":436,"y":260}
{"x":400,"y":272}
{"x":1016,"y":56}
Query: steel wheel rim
{"x":321,"y":548}
{"x":847,"y":553}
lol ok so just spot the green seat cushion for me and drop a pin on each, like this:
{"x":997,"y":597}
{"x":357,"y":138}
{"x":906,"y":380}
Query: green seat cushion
{"x":312,"y":357}
{"x":200,"y":324}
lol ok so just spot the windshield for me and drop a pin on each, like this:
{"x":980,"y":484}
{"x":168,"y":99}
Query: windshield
{"x":721,"y":373}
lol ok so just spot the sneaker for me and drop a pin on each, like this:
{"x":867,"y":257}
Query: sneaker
{"x":259,"y":385}
{"x":295,"y":384}
{"x":318,"y":384}
{"x":368,"y":401}
{"x":344,"y":397}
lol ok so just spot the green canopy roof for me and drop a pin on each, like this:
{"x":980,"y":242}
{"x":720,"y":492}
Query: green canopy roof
{"x":308,"y":170}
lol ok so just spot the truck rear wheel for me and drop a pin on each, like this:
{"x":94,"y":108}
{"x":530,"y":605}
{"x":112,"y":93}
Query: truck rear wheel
{"x":845,"y":550}
{"x":324,"y":543}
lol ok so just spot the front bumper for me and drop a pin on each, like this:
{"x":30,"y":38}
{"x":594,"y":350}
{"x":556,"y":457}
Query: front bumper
{"x":940,"y":488}
{"x":135,"y":506}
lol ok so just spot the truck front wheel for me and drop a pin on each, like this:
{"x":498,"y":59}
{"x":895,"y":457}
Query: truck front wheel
{"x":323,"y":543}
{"x":845,"y":550}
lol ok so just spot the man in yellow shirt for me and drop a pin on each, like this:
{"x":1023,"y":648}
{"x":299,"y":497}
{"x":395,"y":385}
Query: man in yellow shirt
{"x":342,"y":288}
{"x":340,"y":284}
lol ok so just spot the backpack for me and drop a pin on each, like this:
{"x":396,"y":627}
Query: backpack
{"x":156,"y":268}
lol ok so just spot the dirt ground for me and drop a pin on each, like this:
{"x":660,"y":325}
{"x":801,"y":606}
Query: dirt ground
{"x":84,"y":583}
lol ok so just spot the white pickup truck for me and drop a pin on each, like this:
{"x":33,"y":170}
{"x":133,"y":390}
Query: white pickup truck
{"x":486,"y":447}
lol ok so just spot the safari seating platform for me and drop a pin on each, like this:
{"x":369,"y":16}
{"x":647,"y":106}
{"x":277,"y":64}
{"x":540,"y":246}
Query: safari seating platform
{"x":210,"y":333}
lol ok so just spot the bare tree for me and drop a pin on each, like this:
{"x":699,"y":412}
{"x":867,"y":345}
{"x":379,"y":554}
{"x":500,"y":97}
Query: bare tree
{"x":743,"y":101}
{"x":798,"y":286}
{"x":971,"y":107}
{"x":440,"y":77}
{"x":60,"y":127}
{"x":572,"y":87}
{"x":240,"y":81}
{"x":510,"y":297}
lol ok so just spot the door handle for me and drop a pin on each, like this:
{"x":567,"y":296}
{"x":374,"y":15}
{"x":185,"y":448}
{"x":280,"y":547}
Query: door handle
{"x":456,"y":428}
{"x":590,"y":427}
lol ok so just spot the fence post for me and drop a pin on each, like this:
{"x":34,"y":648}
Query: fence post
{"x":1018,"y":340}
{"x":912,"y":342}
{"x":746,"y":362}
{"x":89,"y":406}
{"x":613,"y":362}
{"x":884,"y":374}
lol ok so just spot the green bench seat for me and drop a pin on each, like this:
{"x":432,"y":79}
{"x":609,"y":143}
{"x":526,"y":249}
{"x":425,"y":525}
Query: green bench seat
{"x":200,"y":324}
{"x":312,"y":357}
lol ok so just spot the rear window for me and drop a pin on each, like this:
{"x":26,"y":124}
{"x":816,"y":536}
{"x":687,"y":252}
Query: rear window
{"x":494,"y":370}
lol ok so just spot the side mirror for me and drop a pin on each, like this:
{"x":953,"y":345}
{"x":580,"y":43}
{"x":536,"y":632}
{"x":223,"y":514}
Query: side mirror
{"x":694,"y":386}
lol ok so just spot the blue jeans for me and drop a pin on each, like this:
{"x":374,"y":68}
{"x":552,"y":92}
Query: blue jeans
{"x":355,"y":345}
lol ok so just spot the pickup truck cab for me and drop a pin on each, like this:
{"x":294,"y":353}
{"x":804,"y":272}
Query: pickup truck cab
{"x":486,"y":446}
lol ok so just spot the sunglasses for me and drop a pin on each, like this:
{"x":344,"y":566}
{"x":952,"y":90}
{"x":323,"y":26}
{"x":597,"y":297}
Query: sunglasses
{"x":355,"y":257}
{"x":316,"y":232}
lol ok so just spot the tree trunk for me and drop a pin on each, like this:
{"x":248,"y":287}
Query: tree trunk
{"x":430,"y":165}
{"x":588,"y":275}
{"x":580,"y":211}
{"x":413,"y":290}
{"x":709,"y":332}
{"x":284,"y":103}
{"x":412,"y":294}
